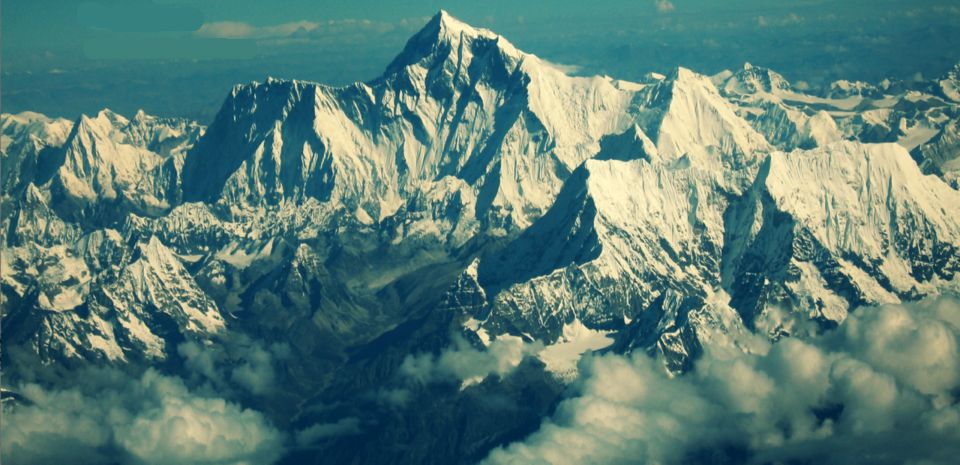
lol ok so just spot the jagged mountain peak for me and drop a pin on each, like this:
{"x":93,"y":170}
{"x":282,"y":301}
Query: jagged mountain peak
{"x":159,"y":278}
{"x":153,"y":250}
{"x":952,"y":74}
{"x":681,"y":74}
{"x":681,"y":78}
{"x":844,"y":88}
{"x":949,"y":83}
{"x":458,"y":102}
{"x":29,"y":132}
{"x":104,"y":122}
{"x":445,"y":36}
{"x":108,"y":158}
{"x":44,"y":127}
{"x":107,"y":124}
{"x":142,"y":118}
{"x":629,"y":145}
{"x":449,"y":26}
{"x":687,"y":116}
{"x":752,"y":79}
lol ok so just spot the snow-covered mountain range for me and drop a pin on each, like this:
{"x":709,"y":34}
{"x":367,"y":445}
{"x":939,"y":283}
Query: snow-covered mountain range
{"x":475,"y":192}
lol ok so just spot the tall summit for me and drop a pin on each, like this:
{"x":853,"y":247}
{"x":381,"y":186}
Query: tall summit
{"x":459,"y":106}
{"x":422,"y":261}
{"x":447,"y":37}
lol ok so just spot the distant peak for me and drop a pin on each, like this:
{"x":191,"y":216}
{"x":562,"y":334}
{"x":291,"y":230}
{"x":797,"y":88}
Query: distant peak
{"x":108,"y":113}
{"x":105,"y":115}
{"x":653,"y":77}
{"x":141,"y":116}
{"x":103,"y":118}
{"x":953,"y":73}
{"x":153,"y":249}
{"x":758,"y":78}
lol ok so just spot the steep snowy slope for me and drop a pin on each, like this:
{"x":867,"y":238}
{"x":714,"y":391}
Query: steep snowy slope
{"x":820,"y":231}
{"x":765,"y":99}
{"x":27,"y":143}
{"x":941,"y":155}
{"x":620,"y":236}
{"x":154,"y":290}
{"x":94,"y":300}
{"x":949,"y":84}
{"x":457,"y":102}
{"x":686,"y":115}
{"x":164,"y":136}
{"x":58,"y":266}
{"x":99,"y":167}
{"x":840,"y":226}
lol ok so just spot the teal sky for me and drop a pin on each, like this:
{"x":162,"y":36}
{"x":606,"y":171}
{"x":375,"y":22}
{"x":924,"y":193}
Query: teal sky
{"x":176,"y":57}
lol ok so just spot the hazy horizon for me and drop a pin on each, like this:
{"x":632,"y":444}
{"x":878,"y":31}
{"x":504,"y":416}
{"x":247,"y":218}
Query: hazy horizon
{"x":174,"y":58}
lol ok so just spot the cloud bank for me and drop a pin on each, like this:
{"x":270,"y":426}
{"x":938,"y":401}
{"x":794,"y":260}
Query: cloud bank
{"x":466,"y":363}
{"x":242,"y":30}
{"x":882,"y":388}
{"x":319,"y":431}
{"x":151,"y":420}
{"x":239,"y":363}
{"x":302,"y":28}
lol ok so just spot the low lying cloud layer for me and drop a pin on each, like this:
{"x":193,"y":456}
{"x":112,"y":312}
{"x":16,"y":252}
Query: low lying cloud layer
{"x":151,"y":420}
{"x":240,"y":363}
{"x":342,"y":427}
{"x":466,"y":363}
{"x":242,"y":30}
{"x":302,"y":28}
{"x":882,"y":388}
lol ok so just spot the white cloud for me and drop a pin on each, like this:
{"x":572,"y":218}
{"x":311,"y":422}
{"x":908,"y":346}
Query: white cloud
{"x":393,"y":397}
{"x":200,"y":360}
{"x":566,"y":69}
{"x":226,"y":30}
{"x":790,"y":19}
{"x":241,"y":30}
{"x":468,"y":364}
{"x":664,"y":6}
{"x":882,"y":388}
{"x":154,"y":419}
{"x":242,"y":362}
{"x":256,"y":374}
{"x":342,"y":427}
{"x":302,"y":29}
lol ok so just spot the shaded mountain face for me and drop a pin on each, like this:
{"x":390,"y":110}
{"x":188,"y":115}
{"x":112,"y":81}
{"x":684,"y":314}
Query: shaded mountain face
{"x":366,"y":247}
{"x":459,"y":106}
